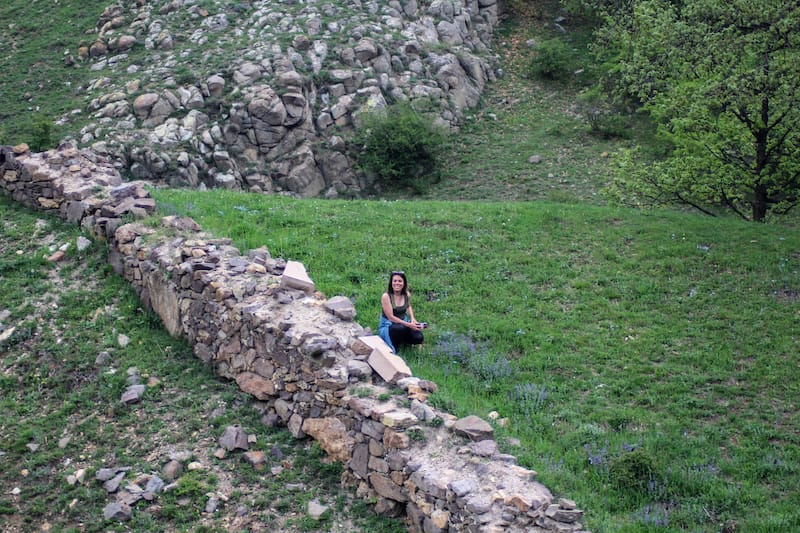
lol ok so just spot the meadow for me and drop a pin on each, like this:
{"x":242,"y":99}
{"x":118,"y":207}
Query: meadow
{"x":646,"y":361}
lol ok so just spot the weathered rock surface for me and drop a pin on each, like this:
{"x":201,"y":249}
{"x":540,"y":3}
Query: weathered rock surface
{"x":278,"y":84}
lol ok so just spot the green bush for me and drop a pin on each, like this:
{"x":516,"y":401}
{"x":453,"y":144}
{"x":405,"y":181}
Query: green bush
{"x":605,"y":119}
{"x":552,"y":60}
{"x":42,"y":136}
{"x":400,"y":146}
{"x":632,"y":470}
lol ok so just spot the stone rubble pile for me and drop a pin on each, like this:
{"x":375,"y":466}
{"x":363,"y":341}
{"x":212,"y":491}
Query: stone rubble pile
{"x":262,"y":95}
{"x":259,"y":321}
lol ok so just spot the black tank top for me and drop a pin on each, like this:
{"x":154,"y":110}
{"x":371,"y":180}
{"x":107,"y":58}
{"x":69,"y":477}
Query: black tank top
{"x":399,"y":311}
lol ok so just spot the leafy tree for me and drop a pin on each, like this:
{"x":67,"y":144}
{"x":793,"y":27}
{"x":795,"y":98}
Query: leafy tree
{"x":720,"y":78}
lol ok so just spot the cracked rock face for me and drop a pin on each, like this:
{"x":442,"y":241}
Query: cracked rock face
{"x":259,"y":96}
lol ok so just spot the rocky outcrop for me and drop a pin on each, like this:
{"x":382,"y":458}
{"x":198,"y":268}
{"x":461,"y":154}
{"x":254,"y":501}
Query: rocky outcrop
{"x":260,"y":322}
{"x":260,"y":95}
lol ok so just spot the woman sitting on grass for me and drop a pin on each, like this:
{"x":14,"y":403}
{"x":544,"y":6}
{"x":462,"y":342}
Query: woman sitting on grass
{"x":397,"y":325}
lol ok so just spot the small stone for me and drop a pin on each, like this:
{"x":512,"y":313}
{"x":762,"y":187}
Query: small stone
{"x":474,"y":428}
{"x":212,"y":504}
{"x":316,"y":509}
{"x":484,"y":448}
{"x":5,"y":335}
{"x":56,"y":257}
{"x":462,"y":487}
{"x":104,"y":474}
{"x":342,"y":307}
{"x":234,"y":438}
{"x":83,"y":243}
{"x":195,"y":465}
{"x":63,"y":442}
{"x":535,"y":159}
{"x":154,"y":485}
{"x":123,"y":340}
{"x":113,"y":484}
{"x":117,"y":511}
{"x":172,"y":470}
{"x":102,"y":358}
{"x":133,"y":394}
{"x":399,"y":419}
{"x":564,"y":503}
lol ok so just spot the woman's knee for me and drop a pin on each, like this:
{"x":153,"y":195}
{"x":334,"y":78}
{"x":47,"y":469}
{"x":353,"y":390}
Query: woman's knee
{"x":415,"y":337}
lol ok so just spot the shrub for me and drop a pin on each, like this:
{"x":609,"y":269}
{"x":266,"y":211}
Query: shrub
{"x":552,"y":60}
{"x":400,"y":146}
{"x":632,"y":470}
{"x":605,"y":119}
{"x":42,"y":136}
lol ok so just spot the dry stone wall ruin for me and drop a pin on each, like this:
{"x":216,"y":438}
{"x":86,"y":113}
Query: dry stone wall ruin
{"x":260,"y":323}
{"x":262,"y":95}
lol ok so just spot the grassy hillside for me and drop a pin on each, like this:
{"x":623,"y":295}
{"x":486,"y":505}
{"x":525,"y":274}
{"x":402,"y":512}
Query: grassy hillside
{"x":36,"y":86}
{"x":72,"y":338}
{"x":648,"y":362}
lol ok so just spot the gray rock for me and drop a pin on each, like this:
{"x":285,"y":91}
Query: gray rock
{"x":212,"y":504}
{"x":474,"y":428}
{"x":133,"y":394}
{"x":117,"y":511}
{"x":113,"y":484}
{"x":316,"y":509}
{"x":172,"y":470}
{"x":483,"y":448}
{"x":462,"y":487}
{"x":104,"y":474}
{"x":234,"y":438}
{"x":358,"y":369}
{"x":155,"y":485}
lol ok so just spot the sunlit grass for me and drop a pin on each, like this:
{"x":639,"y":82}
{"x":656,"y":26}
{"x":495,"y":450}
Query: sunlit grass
{"x":596,"y":331}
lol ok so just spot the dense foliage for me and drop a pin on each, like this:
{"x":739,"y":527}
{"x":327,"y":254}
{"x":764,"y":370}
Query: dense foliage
{"x":721,"y":80}
{"x":400,"y":146}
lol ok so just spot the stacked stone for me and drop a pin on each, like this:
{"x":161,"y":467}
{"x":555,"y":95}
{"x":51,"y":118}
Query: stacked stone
{"x":260,"y":322}
{"x":272,"y":119}
{"x":78,"y":185}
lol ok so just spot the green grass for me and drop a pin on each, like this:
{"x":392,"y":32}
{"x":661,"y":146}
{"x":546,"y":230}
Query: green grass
{"x":64,"y":316}
{"x":37,"y":86}
{"x":598,"y":332}
{"x":647,"y":361}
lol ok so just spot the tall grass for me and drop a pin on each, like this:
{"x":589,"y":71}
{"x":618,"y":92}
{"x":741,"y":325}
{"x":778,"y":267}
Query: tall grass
{"x":647,"y":362}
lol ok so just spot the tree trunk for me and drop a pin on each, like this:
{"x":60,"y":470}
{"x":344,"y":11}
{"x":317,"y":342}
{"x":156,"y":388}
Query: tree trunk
{"x":760,"y":203}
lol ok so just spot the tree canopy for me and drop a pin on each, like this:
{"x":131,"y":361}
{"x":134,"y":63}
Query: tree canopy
{"x":720,"y":78}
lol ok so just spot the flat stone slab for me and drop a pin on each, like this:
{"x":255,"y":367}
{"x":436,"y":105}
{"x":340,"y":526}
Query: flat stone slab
{"x":389,"y":366}
{"x":295,"y":277}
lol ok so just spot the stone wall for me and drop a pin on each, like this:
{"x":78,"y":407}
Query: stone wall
{"x":259,"y":321}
